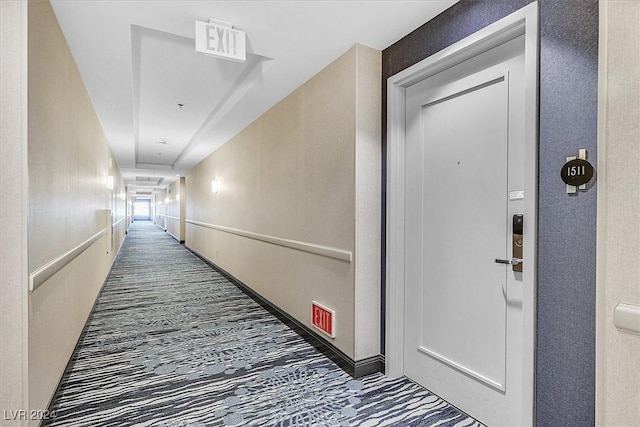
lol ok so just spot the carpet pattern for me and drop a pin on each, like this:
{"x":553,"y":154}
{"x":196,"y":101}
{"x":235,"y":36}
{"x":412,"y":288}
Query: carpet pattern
{"x":171,"y":342}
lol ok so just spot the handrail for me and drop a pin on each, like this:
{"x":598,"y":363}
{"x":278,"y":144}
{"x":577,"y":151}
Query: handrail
{"x":626,"y":317}
{"x":335,"y":253}
{"x":118,"y":221}
{"x":44,"y":273}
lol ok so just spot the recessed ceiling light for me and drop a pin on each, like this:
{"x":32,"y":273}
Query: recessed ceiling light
{"x":162,"y":142}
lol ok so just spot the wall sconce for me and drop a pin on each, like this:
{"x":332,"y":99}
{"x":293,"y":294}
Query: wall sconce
{"x":215,"y":186}
{"x":110,"y":182}
{"x":167,"y":200}
{"x":177,"y":197}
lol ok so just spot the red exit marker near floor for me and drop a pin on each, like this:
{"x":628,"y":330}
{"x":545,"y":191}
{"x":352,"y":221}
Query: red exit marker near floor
{"x":323,"y":318}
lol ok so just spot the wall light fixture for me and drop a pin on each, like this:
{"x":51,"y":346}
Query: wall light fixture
{"x":215,"y":186}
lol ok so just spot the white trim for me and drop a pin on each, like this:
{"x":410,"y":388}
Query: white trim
{"x":44,"y":273}
{"x":524,"y":21}
{"x":335,"y":253}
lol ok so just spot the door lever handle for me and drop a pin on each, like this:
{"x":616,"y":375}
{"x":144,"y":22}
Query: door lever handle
{"x":512,"y":261}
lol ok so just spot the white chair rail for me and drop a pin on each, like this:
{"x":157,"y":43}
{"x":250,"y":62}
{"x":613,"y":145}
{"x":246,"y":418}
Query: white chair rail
{"x":44,"y":273}
{"x":335,"y":253}
{"x":626,"y":317}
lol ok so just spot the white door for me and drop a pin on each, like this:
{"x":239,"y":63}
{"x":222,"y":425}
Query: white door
{"x":464,"y":181}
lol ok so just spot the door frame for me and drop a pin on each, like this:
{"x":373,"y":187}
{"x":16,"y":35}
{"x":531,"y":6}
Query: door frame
{"x":523,"y":21}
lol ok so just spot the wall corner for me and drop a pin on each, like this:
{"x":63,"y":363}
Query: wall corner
{"x":14,"y":376}
{"x":368,"y":179}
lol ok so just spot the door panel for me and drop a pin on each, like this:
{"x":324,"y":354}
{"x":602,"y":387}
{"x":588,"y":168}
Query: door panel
{"x":463,"y":159}
{"x":464,"y":185}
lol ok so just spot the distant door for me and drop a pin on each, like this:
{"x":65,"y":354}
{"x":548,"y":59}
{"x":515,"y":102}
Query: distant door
{"x":464,"y":180}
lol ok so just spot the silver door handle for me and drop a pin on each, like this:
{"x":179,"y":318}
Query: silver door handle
{"x":512,"y":261}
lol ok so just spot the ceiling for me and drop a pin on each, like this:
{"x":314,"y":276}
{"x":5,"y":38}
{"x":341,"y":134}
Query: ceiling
{"x":164,"y":107}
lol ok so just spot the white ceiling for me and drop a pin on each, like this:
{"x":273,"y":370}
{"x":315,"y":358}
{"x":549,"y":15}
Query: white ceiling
{"x":137,"y":59}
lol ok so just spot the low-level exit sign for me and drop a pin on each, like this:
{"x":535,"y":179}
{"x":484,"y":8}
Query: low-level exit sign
{"x":323,"y":318}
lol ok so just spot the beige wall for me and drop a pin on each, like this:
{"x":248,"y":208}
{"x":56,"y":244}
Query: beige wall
{"x":174,"y":207}
{"x":158,"y":208}
{"x":69,"y":160}
{"x":13,"y":210}
{"x":368,"y":206}
{"x":304,"y":171}
{"x":618,"y":358}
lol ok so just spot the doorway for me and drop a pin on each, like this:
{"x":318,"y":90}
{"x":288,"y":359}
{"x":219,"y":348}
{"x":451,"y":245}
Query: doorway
{"x":462,"y":150}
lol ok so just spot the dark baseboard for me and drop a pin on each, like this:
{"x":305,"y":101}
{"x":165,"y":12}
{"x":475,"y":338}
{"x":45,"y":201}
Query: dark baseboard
{"x":176,"y":239}
{"x":354,"y":368}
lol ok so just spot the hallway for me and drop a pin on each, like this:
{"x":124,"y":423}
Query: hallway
{"x":287,"y":172}
{"x":172,"y":342}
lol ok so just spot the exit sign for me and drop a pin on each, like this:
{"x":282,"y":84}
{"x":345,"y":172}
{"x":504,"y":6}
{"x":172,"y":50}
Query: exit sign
{"x":218,"y":38}
{"x":323,"y":318}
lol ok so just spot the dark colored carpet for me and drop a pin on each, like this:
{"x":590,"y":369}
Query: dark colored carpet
{"x":171,"y":342}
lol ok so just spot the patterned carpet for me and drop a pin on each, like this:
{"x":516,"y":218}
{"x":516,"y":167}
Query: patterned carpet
{"x":171,"y":342}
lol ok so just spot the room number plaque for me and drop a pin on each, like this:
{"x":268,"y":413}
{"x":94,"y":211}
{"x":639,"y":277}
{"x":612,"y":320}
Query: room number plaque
{"x":577,"y":172}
